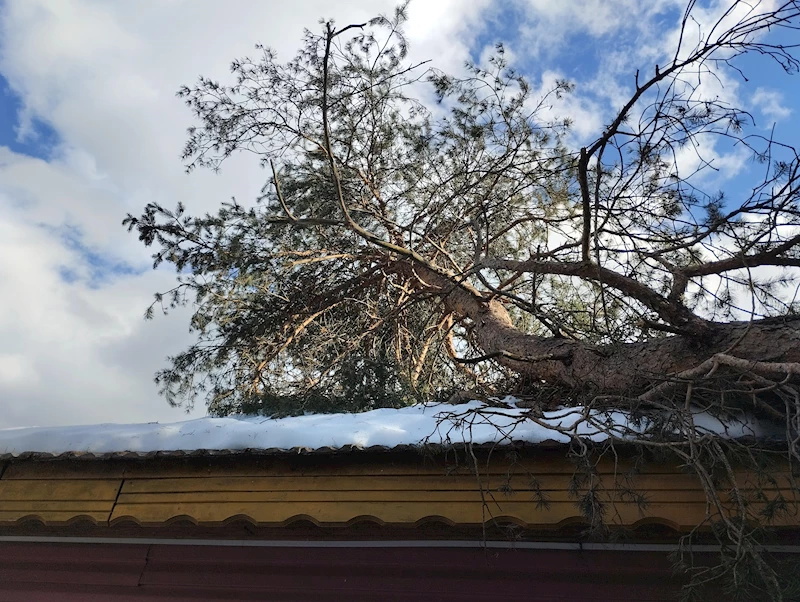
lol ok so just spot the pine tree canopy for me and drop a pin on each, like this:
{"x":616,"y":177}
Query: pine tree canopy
{"x":422,"y":235}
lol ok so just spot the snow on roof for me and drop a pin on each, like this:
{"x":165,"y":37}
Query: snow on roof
{"x":440,"y":424}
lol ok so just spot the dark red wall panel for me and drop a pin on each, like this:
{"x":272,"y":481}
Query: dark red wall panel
{"x":40,"y":572}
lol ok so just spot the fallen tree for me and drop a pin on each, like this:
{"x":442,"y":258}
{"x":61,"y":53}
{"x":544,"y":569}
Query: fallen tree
{"x":405,"y":251}
{"x":466,"y":244}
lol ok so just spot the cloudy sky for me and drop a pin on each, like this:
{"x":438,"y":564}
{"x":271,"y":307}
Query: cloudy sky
{"x":90,"y":129}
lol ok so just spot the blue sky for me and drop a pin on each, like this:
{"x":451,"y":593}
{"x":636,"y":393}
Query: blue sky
{"x":90,"y":129}
{"x":37,"y":139}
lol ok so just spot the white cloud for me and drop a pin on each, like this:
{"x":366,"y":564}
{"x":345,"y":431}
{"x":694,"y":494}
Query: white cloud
{"x":73,"y":345}
{"x":585,"y":113}
{"x":15,"y":369}
{"x":770,"y":103}
{"x":550,"y":23}
{"x":70,"y":352}
{"x":443,"y":31}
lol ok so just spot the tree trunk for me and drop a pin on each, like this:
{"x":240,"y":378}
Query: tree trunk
{"x":628,"y":368}
{"x":624,"y":369}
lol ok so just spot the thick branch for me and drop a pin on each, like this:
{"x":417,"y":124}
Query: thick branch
{"x":337,"y":181}
{"x":671,"y":311}
{"x":583,"y":180}
{"x":770,"y":257}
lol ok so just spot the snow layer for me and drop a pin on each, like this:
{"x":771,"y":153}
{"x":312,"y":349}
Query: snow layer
{"x":433,"y":424}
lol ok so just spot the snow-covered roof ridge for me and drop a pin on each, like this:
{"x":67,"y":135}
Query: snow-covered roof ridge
{"x":437,"y":424}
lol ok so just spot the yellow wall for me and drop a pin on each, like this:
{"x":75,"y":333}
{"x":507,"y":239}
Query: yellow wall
{"x":340,"y":489}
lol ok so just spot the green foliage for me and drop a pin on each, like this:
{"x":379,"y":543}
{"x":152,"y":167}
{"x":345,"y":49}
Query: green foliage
{"x":360,"y":384}
{"x":293,"y":311}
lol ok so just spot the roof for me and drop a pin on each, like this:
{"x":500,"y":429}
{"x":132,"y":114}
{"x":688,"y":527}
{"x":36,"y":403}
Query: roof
{"x":436,"y":424}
